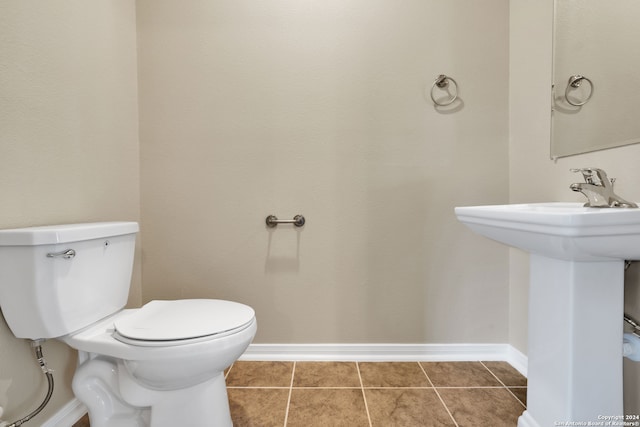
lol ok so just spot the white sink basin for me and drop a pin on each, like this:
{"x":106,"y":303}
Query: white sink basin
{"x":576,"y":296}
{"x":567,"y":231}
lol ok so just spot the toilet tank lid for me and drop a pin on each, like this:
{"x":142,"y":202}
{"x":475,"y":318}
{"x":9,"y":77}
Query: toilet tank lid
{"x":65,"y":233}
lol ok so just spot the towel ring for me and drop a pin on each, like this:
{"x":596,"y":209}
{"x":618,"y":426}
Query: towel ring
{"x":574,"y":83}
{"x":442,"y":82}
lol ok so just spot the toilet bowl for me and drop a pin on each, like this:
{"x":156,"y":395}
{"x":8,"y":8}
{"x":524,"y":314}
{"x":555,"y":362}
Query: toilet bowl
{"x":160,"y":365}
{"x":165,"y":356}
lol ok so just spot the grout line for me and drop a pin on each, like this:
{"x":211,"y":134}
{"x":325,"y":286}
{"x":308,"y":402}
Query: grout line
{"x":228,"y":371}
{"x":438,"y":394}
{"x":326,"y":388}
{"x":471,"y":387}
{"x":364,"y":395}
{"x":398,"y":388}
{"x":365,"y":388}
{"x":260,"y":386}
{"x":519,"y":401}
{"x":286,"y":413}
{"x":503,"y":384}
{"x":491,"y":372}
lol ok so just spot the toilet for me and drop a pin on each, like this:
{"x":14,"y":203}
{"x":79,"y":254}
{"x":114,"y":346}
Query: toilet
{"x":159,"y":365}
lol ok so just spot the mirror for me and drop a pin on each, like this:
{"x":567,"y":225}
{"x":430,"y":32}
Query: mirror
{"x":596,"y":63}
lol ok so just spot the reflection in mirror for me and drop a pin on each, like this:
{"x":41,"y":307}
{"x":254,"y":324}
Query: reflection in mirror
{"x":596,"y":75}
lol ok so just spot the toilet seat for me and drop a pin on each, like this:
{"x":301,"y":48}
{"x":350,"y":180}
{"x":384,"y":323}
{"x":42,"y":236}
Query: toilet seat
{"x":159,"y":322}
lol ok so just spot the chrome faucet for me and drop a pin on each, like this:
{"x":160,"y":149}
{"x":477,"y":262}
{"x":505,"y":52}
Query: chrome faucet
{"x":598,"y":189}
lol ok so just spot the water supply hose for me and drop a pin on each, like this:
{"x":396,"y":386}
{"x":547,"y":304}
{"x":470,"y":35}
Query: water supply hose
{"x":37,"y":345}
{"x":634,"y":324}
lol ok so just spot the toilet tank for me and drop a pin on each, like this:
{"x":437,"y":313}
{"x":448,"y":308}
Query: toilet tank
{"x":57,"y":279}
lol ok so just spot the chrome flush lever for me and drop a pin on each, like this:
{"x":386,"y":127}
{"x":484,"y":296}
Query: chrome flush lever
{"x":67,"y":254}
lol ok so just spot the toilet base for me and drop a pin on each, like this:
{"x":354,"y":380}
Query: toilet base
{"x":115,"y":399}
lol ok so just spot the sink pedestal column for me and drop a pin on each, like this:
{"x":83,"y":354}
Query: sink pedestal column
{"x":575,"y":341}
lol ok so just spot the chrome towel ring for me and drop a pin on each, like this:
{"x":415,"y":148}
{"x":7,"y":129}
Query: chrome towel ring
{"x":442,"y":82}
{"x":574,"y":82}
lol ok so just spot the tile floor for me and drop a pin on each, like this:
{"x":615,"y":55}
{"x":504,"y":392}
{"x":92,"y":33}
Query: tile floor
{"x":365,"y":394}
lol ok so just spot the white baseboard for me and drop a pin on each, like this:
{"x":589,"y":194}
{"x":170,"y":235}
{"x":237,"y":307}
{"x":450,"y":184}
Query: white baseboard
{"x":518,"y":360}
{"x":526,"y":420}
{"x":388,"y":353}
{"x":68,"y":415}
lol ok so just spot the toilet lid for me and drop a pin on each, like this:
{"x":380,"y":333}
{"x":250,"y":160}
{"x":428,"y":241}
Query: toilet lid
{"x":183,"y":319}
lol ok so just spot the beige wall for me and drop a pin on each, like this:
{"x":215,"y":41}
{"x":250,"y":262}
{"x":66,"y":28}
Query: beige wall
{"x":319,"y":108}
{"x":249,"y":109}
{"x":534,"y":177}
{"x":68,"y":147}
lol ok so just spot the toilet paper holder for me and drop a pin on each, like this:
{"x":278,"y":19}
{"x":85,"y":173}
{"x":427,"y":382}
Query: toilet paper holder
{"x":273,"y":221}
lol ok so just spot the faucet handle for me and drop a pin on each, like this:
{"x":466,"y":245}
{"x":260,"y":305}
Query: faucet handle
{"x":587,"y":173}
{"x":593,"y":176}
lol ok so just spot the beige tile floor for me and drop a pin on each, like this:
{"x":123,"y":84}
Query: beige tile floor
{"x":383,"y":394}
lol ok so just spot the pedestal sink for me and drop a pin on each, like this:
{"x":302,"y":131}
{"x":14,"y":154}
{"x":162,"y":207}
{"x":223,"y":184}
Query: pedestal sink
{"x":576,"y":299}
